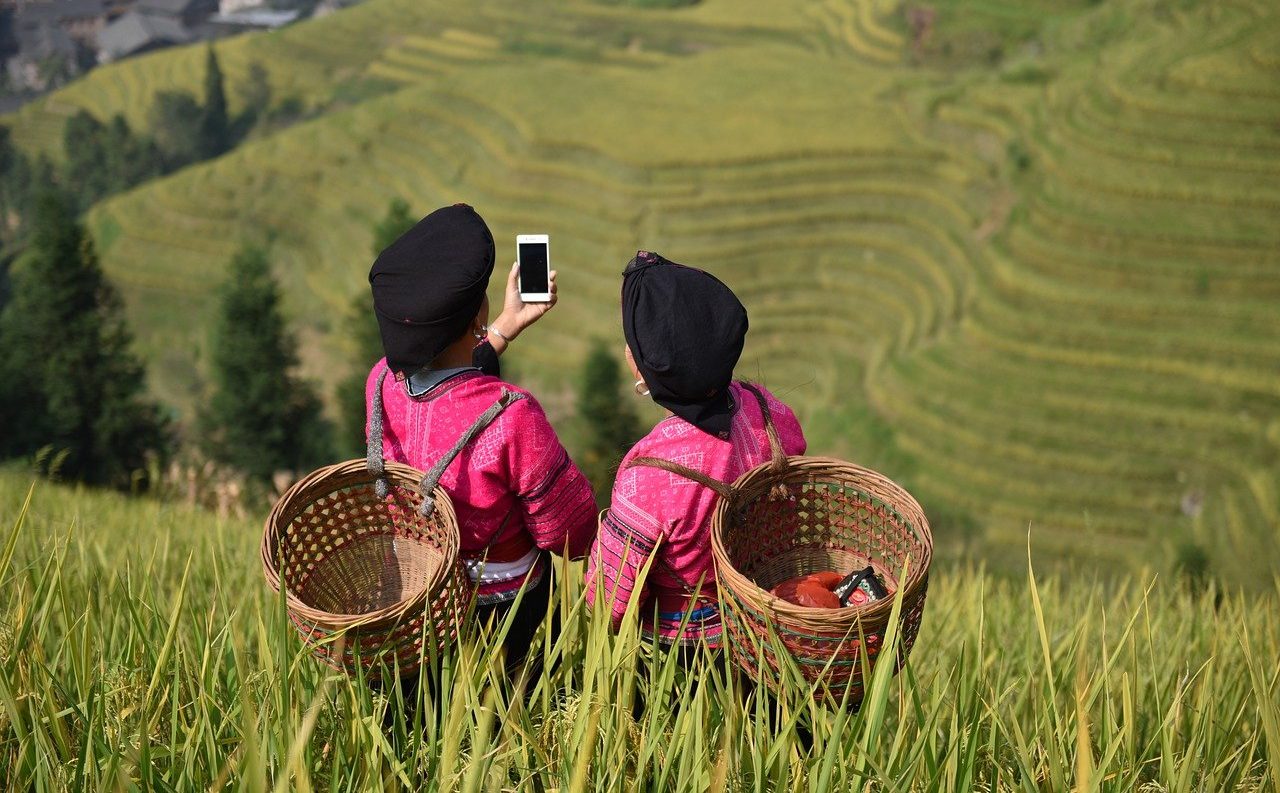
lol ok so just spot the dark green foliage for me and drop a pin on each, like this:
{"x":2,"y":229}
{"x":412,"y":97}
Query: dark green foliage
{"x":215,"y":124}
{"x":1018,"y":155}
{"x":1191,"y":563}
{"x":362,"y":333}
{"x":396,"y":222}
{"x":176,"y":123}
{"x":105,"y":159}
{"x":260,"y":418}
{"x":68,"y":382}
{"x":610,"y":420}
{"x":188,"y":131}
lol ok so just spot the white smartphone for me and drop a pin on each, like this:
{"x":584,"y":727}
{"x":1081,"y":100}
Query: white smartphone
{"x":533,"y":253}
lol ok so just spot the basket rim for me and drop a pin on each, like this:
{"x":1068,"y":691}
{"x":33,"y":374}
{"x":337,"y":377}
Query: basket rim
{"x":333,"y":477}
{"x":761,"y":479}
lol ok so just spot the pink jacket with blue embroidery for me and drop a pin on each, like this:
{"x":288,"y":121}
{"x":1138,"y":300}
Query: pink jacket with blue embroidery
{"x":650,"y":503}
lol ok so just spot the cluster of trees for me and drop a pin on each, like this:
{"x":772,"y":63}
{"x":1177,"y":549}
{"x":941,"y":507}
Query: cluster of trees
{"x":72,"y":392}
{"x":69,"y":384}
{"x":20,"y":180}
{"x":104,"y":158}
{"x":74,"y":395}
{"x":189,"y":130}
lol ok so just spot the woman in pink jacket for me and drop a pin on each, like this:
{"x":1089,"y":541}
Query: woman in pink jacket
{"x":684,"y":331}
{"x":516,"y":493}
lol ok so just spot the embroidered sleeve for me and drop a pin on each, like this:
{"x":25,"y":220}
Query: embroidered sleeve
{"x":559,"y":508}
{"x":618,"y":555}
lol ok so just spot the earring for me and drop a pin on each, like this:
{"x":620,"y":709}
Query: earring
{"x":479,"y":335}
{"x":640,"y":385}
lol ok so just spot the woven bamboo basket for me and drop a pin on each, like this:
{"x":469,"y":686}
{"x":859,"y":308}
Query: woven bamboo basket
{"x":368,"y":581}
{"x":796,"y":515}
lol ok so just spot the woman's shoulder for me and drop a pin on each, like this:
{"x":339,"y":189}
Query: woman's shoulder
{"x":481,"y":386}
{"x":784,"y":418}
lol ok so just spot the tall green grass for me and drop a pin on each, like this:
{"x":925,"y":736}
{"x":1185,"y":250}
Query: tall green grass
{"x":140,"y":649}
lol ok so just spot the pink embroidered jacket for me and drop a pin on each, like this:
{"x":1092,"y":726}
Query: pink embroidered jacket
{"x":514,"y":488}
{"x":650,"y":503}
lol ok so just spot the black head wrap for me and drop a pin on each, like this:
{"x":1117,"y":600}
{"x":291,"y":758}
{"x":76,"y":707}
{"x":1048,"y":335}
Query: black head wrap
{"x":685,"y":329}
{"x":429,"y":284}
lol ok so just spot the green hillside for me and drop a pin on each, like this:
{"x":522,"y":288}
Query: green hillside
{"x":1028,"y":266}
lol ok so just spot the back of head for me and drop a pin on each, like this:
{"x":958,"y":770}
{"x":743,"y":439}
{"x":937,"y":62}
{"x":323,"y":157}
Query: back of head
{"x":429,"y":284}
{"x":686,"y":331}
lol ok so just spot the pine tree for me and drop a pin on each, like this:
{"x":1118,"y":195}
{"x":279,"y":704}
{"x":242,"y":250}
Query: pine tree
{"x":260,"y":418}
{"x":70,"y":381}
{"x":215,"y":124}
{"x":611,"y":422}
{"x":363,"y":335}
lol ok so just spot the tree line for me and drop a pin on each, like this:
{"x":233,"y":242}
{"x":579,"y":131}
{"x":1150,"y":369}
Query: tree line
{"x":101,"y":158}
{"x":74,"y":394}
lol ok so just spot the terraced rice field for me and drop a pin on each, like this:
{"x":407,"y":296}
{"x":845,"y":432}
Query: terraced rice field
{"x":1030,"y":267}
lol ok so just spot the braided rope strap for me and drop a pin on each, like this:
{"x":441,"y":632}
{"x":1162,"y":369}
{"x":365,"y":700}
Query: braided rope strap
{"x":373,"y":445}
{"x":373,"y":442}
{"x":721,"y":488}
{"x":432,"y":478}
{"x":778,"y":456}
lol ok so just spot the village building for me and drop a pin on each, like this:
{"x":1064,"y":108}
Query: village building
{"x":55,"y":41}
{"x":137,"y":32}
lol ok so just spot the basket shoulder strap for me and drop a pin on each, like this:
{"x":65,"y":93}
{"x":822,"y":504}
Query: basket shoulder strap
{"x":723,"y":489}
{"x":432,"y":478}
{"x":373,"y":441}
{"x":778,"y":454}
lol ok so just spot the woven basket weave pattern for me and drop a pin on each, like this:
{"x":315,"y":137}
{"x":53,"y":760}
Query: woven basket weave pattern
{"x":367,"y":580}
{"x":815,"y":514}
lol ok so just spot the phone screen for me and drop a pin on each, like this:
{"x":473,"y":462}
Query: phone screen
{"x":533,"y":268}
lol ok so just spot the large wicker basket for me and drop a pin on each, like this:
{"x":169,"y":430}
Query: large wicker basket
{"x":797,"y":515}
{"x":369,"y":580}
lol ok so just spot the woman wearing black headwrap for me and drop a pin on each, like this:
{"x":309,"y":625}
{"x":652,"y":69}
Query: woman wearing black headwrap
{"x":516,"y":493}
{"x":684,"y":331}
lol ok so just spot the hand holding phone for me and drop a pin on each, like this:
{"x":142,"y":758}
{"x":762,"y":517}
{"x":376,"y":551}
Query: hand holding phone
{"x":517,"y":313}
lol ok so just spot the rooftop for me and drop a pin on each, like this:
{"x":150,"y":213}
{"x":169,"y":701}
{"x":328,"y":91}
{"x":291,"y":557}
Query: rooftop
{"x":136,"y":30}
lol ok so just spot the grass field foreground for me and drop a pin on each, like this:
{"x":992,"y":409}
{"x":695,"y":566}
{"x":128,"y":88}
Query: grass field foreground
{"x":141,"y":649}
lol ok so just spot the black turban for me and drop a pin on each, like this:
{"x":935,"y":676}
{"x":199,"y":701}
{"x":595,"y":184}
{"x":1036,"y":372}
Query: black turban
{"x":428,"y":285}
{"x":685,"y":330}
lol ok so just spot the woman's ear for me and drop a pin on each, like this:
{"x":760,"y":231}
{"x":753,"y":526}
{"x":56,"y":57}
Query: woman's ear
{"x":631,"y":363}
